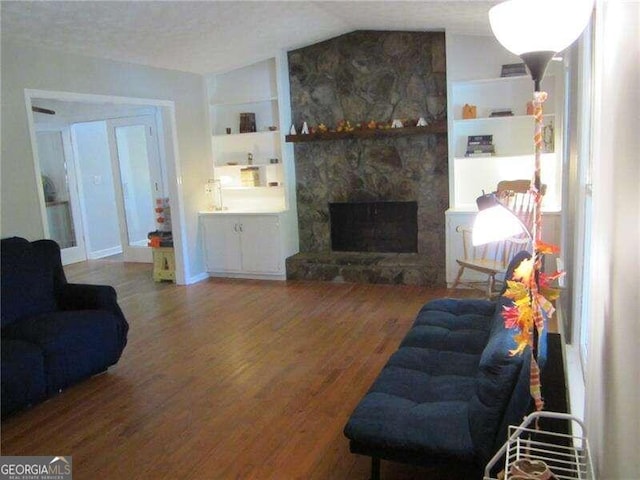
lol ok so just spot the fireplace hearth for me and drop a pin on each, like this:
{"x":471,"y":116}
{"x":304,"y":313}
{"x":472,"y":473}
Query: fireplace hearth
{"x":388,"y":227}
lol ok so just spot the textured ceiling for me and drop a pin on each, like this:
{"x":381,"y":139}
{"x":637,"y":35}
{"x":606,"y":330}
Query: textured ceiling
{"x":215,"y":36}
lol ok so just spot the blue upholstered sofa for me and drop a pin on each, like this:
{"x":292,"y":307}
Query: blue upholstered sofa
{"x":54,"y":333}
{"x":447,"y":395}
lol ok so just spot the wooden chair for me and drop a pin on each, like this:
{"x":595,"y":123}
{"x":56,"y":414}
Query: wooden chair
{"x":492,"y":259}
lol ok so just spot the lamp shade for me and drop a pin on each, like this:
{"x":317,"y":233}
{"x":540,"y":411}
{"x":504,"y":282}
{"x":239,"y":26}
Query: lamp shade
{"x":494,"y":222}
{"x":524,"y":26}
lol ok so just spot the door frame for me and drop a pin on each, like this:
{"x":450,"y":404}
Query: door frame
{"x":79,"y":253}
{"x":135,"y":254}
{"x":168,"y":145}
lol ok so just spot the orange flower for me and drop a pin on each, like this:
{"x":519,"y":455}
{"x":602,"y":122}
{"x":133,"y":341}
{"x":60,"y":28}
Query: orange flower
{"x":546,"y":248}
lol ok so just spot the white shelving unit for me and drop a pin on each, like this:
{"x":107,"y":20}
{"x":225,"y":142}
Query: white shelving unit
{"x":235,"y":148}
{"x":256,"y":228}
{"x":227,"y":115}
{"x":251,"y":89}
{"x":566,"y":455}
{"x":473,"y":69}
{"x":512,"y":138}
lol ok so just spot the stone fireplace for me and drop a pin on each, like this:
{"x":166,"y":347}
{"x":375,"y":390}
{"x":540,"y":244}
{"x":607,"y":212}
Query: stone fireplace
{"x":363,"y":76}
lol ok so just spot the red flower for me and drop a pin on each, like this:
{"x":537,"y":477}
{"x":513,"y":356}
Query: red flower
{"x":511,"y":316}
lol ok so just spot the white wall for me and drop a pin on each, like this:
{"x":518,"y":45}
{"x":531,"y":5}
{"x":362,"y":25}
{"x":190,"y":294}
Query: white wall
{"x":25,"y":67}
{"x":613,"y":376}
{"x":98,"y":195}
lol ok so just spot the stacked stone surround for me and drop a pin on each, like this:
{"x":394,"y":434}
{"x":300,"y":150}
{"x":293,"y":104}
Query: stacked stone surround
{"x":362,"y":76}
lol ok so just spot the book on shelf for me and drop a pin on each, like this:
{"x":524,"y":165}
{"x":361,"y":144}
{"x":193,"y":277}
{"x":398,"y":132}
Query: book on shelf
{"x":501,"y":112}
{"x":480,"y":146}
{"x":513,"y":70}
{"x":479,"y":139}
{"x":480,"y":149}
{"x":479,"y":154}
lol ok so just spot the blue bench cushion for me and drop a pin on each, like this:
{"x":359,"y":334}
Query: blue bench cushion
{"x":75,"y":344}
{"x":387,"y":421}
{"x":22,"y":374}
{"x":420,"y":400}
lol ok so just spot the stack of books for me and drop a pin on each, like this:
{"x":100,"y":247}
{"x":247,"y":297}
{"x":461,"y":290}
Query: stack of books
{"x":480,"y":146}
{"x":501,"y":112}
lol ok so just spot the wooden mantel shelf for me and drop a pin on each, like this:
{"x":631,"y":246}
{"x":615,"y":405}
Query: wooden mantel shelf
{"x":436,"y":127}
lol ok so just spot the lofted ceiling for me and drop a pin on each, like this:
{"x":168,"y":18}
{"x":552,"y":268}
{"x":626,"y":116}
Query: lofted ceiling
{"x":215,"y":36}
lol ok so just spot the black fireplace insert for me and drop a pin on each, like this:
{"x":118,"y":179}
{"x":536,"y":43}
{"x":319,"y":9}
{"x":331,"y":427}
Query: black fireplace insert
{"x":374,"y":227}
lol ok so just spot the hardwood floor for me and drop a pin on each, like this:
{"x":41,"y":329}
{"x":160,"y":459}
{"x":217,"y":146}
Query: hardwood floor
{"x":225,"y":379}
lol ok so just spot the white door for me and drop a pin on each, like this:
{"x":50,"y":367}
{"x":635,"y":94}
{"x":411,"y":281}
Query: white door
{"x":138,"y":182}
{"x":60,"y":191}
{"x":222,"y":243}
{"x":260,"y":236}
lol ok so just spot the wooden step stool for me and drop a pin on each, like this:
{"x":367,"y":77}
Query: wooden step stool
{"x":164,"y":264}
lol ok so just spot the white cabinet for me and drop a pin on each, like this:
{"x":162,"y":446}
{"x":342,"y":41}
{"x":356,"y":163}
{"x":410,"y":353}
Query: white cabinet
{"x":244,"y":245}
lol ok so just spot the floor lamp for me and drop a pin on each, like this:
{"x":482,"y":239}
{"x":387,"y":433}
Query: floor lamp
{"x":535,"y":30}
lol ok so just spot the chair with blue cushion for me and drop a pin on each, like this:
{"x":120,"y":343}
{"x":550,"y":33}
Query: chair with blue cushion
{"x":54,"y":333}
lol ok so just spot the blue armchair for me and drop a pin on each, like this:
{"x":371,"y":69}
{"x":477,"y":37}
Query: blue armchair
{"x":54,"y":333}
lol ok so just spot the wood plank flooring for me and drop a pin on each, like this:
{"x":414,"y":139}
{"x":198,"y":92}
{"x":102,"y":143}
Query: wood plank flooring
{"x":226,"y":379}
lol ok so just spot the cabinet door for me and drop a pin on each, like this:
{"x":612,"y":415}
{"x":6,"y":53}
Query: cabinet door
{"x":261,"y":244}
{"x":455,"y":247}
{"x":222,"y":243}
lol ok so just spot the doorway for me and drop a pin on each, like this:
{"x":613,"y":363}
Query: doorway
{"x":140,"y":136}
{"x":138,"y":176}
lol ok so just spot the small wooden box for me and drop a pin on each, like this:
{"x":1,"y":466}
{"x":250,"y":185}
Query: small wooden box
{"x":469,"y":111}
{"x":250,"y":177}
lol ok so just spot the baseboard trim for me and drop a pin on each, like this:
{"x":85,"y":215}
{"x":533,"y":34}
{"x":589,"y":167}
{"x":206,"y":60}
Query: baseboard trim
{"x":249,"y":276}
{"x":196,"y":278}
{"x":107,"y":252}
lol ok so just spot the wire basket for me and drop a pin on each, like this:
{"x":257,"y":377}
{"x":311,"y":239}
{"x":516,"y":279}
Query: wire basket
{"x":566,"y":455}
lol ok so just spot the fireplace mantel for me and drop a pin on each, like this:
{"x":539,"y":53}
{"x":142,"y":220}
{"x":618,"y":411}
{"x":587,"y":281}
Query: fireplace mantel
{"x":365,"y":133}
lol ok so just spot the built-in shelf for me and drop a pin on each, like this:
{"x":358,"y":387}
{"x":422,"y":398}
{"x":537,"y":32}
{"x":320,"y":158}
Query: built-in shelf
{"x":260,"y":187}
{"x":244,"y":102}
{"x":247,"y":134}
{"x":434,"y":128}
{"x":516,"y":157}
{"x":245,"y":165}
{"x":467,"y":121}
{"x":492,"y":80}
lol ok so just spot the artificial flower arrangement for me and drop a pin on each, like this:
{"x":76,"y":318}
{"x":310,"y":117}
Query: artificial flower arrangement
{"x":532,"y":294}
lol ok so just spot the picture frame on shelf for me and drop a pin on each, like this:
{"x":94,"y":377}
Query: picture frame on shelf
{"x":513,"y":70}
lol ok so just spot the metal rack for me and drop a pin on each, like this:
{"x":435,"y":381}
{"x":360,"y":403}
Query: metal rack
{"x":566,"y":455}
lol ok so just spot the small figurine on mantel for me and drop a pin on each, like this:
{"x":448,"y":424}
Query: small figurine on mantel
{"x":292,"y":130}
{"x":421,"y":122}
{"x":396,"y":123}
{"x":305,"y":128}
